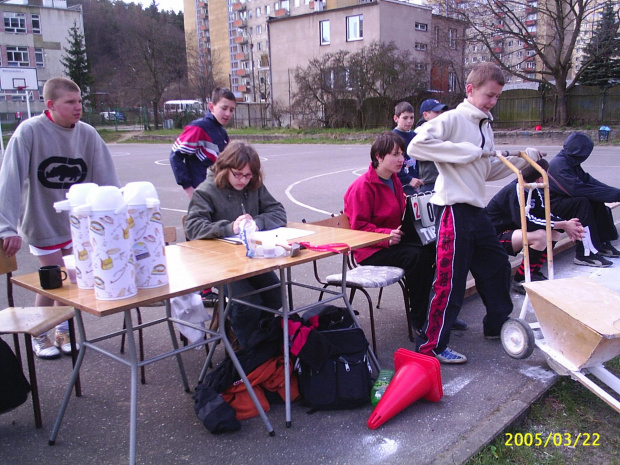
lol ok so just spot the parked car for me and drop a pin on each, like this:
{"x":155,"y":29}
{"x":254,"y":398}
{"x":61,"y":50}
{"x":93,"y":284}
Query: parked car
{"x":111,"y":116}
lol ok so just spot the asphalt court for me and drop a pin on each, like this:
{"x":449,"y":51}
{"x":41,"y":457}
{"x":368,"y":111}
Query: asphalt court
{"x":480,"y":397}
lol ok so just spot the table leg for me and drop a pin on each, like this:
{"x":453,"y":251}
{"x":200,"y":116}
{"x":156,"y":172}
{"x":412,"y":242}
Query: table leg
{"x":133,"y":409}
{"x":287,"y":360}
{"x":235,"y":361}
{"x":175,"y":344}
{"x":72,"y":380}
{"x":343,"y":290}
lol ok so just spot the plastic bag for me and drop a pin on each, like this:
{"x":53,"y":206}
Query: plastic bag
{"x":247,"y":228}
{"x":189,"y":308}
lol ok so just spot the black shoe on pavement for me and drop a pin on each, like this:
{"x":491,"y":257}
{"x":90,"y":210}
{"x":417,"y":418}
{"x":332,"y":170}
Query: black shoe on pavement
{"x":459,"y":325}
{"x":517,"y":286}
{"x":609,"y":250}
{"x":596,"y":260}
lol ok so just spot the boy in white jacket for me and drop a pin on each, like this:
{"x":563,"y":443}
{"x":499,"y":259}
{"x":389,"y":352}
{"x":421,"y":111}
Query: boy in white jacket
{"x":466,"y":241}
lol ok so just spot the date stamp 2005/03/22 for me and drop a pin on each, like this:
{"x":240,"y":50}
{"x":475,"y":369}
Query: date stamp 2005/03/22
{"x":552,"y":439}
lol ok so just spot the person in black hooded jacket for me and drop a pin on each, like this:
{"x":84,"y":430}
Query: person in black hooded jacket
{"x":567,"y":179}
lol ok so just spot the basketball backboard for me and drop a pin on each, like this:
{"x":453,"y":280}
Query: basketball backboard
{"x":19,"y":79}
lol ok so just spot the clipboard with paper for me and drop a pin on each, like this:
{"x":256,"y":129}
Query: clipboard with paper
{"x":418,"y":221}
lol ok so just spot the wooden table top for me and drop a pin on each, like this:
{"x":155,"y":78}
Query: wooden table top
{"x":196,"y":265}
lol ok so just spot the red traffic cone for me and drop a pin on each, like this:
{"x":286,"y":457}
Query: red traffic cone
{"x":417,"y":376}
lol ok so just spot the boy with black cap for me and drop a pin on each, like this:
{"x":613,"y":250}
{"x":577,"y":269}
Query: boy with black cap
{"x":429,"y":109}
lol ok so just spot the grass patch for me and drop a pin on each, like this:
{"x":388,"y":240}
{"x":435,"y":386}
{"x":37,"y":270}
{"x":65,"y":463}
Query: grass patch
{"x":567,"y":409}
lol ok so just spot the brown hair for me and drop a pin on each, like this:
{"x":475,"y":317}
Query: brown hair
{"x":531,"y":174}
{"x":484,"y":72}
{"x":235,"y":156}
{"x":384,"y":144}
{"x":402,"y":107}
{"x":53,"y":87}
{"x":222,"y":92}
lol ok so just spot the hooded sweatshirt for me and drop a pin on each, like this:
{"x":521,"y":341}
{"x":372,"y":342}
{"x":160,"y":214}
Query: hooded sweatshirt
{"x":41,"y":163}
{"x":455,"y":141}
{"x":567,"y":177}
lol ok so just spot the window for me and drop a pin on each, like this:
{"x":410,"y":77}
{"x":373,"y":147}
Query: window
{"x":17,"y":56}
{"x":15,"y":22}
{"x":267,"y":9}
{"x":36,"y":24}
{"x":531,"y":29}
{"x":530,"y":65}
{"x":452,"y":38}
{"x":41,"y":84}
{"x":355,"y":27}
{"x":520,"y":54}
{"x":510,"y":43}
{"x":421,"y":26}
{"x":258,"y":12}
{"x":259,"y":29}
{"x":420,"y":66}
{"x":451,"y":81}
{"x":420,"y":47}
{"x":324,"y":32}
{"x":436,"y":37}
{"x":530,"y":53}
{"x":38,"y":58}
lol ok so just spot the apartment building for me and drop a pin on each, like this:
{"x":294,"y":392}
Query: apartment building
{"x":511,"y":51}
{"x":243,"y":38}
{"x":435,"y":43}
{"x":33,"y":34}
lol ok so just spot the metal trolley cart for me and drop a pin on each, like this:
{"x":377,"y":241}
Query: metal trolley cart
{"x":578,"y":320}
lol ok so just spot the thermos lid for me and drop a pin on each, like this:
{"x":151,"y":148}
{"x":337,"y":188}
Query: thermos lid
{"x":79,"y":192}
{"x":104,"y":198}
{"x":140,"y":193}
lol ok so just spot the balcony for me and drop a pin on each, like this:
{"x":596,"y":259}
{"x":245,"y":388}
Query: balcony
{"x":281,"y":12}
{"x":240,"y":40}
{"x":239,"y":6}
{"x":241,"y":72}
{"x":243,"y":88}
{"x":240,"y":23}
{"x":498,"y":49}
{"x":241,"y":56}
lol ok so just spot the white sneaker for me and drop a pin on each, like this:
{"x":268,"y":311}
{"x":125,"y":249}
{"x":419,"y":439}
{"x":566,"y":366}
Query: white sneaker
{"x":63,"y":342}
{"x":44,"y":349}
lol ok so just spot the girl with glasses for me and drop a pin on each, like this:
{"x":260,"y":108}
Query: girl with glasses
{"x":232,"y":192}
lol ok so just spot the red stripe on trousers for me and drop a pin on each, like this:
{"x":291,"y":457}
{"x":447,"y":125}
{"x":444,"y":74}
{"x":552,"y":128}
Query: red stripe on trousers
{"x":442,"y":286}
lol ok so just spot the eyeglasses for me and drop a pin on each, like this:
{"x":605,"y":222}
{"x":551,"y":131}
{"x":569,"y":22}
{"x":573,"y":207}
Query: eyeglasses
{"x":241,"y":175}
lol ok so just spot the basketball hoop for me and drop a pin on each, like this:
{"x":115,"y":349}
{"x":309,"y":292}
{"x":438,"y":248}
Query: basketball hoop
{"x":20,"y":87}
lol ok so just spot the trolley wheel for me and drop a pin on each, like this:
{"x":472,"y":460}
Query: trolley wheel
{"x":517,"y":338}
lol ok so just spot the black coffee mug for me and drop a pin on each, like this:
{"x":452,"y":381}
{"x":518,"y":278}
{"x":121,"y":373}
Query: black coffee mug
{"x":51,"y":276}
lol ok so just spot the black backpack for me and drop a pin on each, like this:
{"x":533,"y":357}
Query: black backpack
{"x":14,"y":387}
{"x":344,"y":380}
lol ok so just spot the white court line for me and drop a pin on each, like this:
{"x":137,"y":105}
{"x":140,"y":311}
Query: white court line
{"x":163,"y":162}
{"x":290,"y":187}
{"x":452,"y":387}
{"x":173,"y":210}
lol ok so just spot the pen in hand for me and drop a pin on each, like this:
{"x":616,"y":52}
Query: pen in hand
{"x":243,"y":209}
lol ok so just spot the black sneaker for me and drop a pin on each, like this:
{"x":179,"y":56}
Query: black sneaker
{"x":538,"y":276}
{"x":459,"y":325}
{"x":609,"y":250}
{"x":517,"y":286}
{"x":596,"y":260}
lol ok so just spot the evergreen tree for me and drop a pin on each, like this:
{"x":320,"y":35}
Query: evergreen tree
{"x":604,"y":71}
{"x":76,"y":62}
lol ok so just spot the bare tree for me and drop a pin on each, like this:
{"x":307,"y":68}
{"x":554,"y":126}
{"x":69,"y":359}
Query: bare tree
{"x":548,"y":30}
{"x":380,"y":71}
{"x":154,"y":51}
